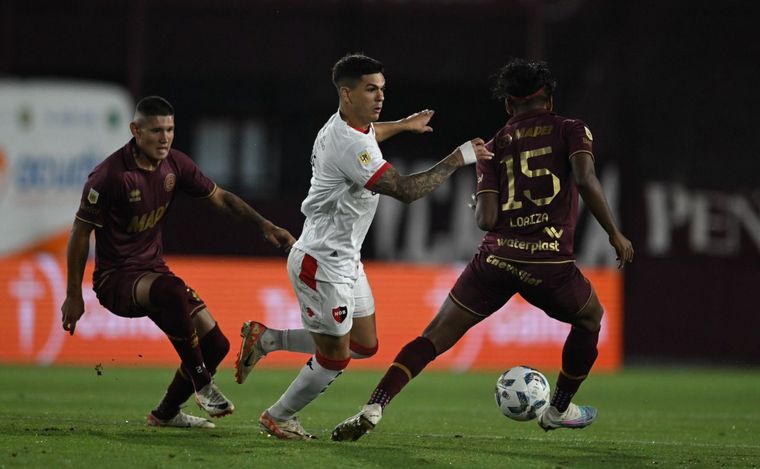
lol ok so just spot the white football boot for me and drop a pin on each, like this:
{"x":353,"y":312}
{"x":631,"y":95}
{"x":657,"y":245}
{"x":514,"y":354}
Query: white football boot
{"x":181,"y":420}
{"x":290,"y":429}
{"x":211,"y":399}
{"x":574,"y":417}
{"x":357,"y":426}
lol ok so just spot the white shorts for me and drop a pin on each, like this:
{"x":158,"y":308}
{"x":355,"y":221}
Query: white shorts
{"x":328,"y":307}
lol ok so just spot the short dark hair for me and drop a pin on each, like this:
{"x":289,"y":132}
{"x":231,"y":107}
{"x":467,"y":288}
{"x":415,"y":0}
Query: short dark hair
{"x":154,"y":106}
{"x":522,"y":78}
{"x":349,"y":70}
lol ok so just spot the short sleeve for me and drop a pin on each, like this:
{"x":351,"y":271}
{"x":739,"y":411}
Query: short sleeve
{"x":578,"y":137}
{"x":363,"y":164}
{"x":94,"y":201}
{"x":190,"y":178}
{"x":487,"y":173}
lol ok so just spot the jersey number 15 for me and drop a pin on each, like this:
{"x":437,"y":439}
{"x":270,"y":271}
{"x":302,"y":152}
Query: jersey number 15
{"x":514,"y":204}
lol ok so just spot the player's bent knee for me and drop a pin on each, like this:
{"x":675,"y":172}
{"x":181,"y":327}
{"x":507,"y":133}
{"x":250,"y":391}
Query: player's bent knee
{"x":590,"y":317}
{"x":168,"y":291}
{"x":359,"y":351}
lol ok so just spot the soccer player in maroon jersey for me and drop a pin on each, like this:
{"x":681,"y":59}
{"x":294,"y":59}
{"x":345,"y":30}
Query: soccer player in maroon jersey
{"x":125,"y":200}
{"x":527,"y":199}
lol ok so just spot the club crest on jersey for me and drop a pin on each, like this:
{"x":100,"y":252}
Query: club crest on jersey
{"x":588,"y":133}
{"x":92,"y":197}
{"x":340,"y":313}
{"x":169,"y":182}
{"x":364,"y":158}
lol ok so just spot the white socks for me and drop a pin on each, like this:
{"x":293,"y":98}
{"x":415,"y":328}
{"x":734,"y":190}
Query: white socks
{"x":293,"y":340}
{"x":312,"y":380}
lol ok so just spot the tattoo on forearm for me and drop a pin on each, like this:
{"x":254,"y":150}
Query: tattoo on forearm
{"x":414,"y":186}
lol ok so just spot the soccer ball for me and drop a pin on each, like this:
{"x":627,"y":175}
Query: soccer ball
{"x":522,"y":393}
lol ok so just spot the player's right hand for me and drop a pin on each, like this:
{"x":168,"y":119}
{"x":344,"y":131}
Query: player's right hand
{"x":479,"y":147}
{"x":418,"y":122}
{"x":71,"y":310}
{"x":623,"y":248}
{"x":280,"y":237}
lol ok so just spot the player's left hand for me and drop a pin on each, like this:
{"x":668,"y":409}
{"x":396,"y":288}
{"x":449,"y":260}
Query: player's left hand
{"x":418,"y":122}
{"x":280,"y":237}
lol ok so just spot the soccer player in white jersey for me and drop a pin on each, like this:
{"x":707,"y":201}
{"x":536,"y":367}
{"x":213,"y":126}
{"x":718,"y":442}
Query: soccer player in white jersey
{"x":324,"y":266}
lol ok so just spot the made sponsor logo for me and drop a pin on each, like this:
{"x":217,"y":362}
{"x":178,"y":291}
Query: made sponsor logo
{"x":140,"y":223}
{"x":533,"y":131}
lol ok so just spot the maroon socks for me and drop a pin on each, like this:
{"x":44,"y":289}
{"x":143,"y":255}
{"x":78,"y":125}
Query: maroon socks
{"x":214,"y":346}
{"x":578,"y":356}
{"x":410,"y":361}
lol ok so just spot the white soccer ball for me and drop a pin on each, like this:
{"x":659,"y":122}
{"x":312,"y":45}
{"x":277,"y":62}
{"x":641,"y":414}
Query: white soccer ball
{"x":522,"y":393}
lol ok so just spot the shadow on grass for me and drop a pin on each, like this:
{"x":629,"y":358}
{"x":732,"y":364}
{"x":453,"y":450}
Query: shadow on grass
{"x":399,"y":450}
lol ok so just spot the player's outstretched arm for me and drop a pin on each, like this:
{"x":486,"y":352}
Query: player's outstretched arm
{"x":417,"y":123}
{"x":229,"y":203}
{"x":76,"y":258}
{"x":408,"y":188}
{"x":590,"y":189}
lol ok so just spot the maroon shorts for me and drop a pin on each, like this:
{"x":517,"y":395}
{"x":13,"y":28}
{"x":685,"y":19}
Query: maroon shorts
{"x":116,"y":292}
{"x":488,"y":282}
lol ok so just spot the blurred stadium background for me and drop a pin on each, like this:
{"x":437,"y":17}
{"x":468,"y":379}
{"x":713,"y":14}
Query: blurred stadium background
{"x":667,"y":87}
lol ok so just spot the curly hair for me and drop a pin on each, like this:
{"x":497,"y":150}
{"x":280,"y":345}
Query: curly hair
{"x":522,"y":78}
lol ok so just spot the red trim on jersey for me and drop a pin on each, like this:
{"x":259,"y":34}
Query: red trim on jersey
{"x":309,"y":272}
{"x":362,"y":350}
{"x":335,"y":365}
{"x":385,"y":167}
{"x":364,"y":131}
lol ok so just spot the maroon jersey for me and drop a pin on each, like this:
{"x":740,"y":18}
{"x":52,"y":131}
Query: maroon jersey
{"x":127,"y":205}
{"x":538,"y":200}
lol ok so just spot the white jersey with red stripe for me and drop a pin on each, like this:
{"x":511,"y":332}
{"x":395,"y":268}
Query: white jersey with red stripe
{"x":339,"y":208}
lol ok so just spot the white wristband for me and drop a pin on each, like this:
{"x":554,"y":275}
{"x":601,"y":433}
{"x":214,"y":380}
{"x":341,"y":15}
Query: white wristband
{"x":468,"y":153}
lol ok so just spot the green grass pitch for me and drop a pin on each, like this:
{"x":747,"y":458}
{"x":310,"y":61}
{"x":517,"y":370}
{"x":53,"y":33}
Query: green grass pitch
{"x":73,"y":417}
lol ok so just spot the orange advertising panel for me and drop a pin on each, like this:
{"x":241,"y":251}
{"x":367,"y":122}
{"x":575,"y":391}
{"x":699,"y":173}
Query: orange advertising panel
{"x":407,"y":296}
